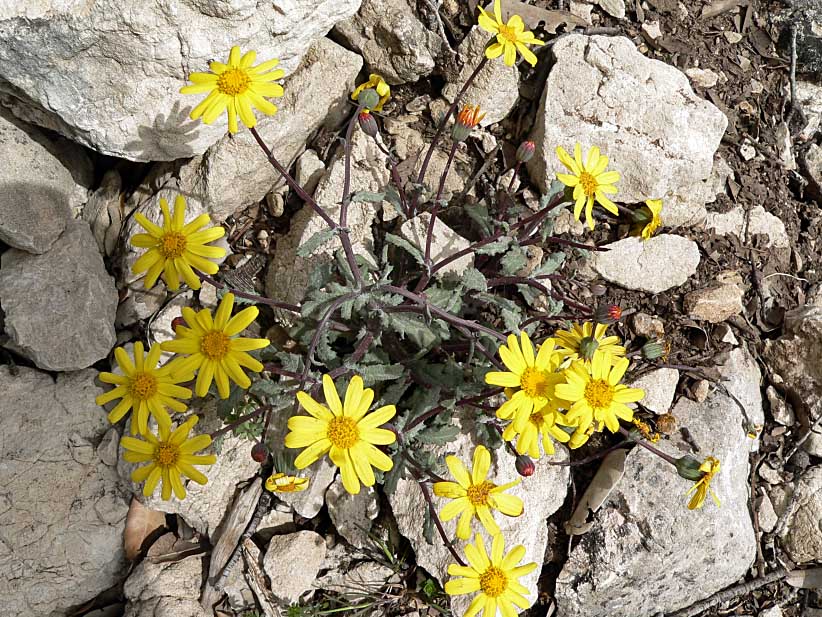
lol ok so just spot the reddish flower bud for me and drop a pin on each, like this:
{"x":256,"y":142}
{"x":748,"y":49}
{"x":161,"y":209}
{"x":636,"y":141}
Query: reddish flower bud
{"x":525,"y":466}
{"x":177,"y":321}
{"x":607,"y":313}
{"x":368,"y":124}
{"x":525,"y":152}
{"x":259,"y":452}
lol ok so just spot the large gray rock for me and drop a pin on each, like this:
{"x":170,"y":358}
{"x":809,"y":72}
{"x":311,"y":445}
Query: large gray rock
{"x":292,"y":562}
{"x":642,"y":113}
{"x":655,"y":265}
{"x":62,"y":509}
{"x":542,"y":494}
{"x":802,"y":535}
{"x":60,"y":305}
{"x":352,"y":514}
{"x":167,"y":589}
{"x":119,"y":65}
{"x":647,"y":552}
{"x":42,"y":180}
{"x":747,"y":224}
{"x":391,"y":40}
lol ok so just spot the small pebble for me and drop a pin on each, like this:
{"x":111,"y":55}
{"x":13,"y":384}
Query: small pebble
{"x":732,"y":37}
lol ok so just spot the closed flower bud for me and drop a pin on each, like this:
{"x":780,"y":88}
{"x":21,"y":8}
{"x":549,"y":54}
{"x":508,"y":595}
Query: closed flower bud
{"x":466,"y":121}
{"x":688,"y":467}
{"x":525,"y":152}
{"x":654,"y":349}
{"x":368,"y":124}
{"x":259,"y":452}
{"x":607,"y":313}
{"x":525,"y":466}
{"x":177,"y":321}
{"x":368,"y":98}
{"x":587,"y":347}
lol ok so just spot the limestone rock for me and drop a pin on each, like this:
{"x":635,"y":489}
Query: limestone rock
{"x":648,"y":326}
{"x":71,"y":280}
{"x":103,"y":212}
{"x":614,"y":8}
{"x":660,"y":387}
{"x":167,"y":589}
{"x":121,"y":64}
{"x":43,"y":180}
{"x":719,"y":301}
{"x":288,"y":273}
{"x":352,"y":514}
{"x":543,"y":493}
{"x":641,"y":556}
{"x":809,"y":97}
{"x":642,"y":113}
{"x":292,"y":563}
{"x":803,"y":538}
{"x":309,"y":171}
{"x":766,"y":513}
{"x":702,"y":78}
{"x":62,"y":509}
{"x":495,"y":89}
{"x":655,"y":265}
{"x":745,"y":225}
{"x":391,"y":40}
{"x":813,"y":169}
{"x":445,"y":242}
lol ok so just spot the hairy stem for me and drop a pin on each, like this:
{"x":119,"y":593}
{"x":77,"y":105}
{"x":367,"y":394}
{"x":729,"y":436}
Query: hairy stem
{"x":665,"y":457}
{"x":435,"y":210}
{"x":427,"y":496}
{"x":239,"y":421}
{"x":346,"y":199}
{"x":395,"y":177}
{"x":248,"y":296}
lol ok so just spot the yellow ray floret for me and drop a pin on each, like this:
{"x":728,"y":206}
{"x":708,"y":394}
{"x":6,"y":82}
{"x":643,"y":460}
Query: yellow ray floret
{"x":590,"y":181}
{"x":379,"y":85}
{"x":345,"y":431}
{"x":494,"y":578}
{"x":542,"y":425}
{"x":213,"y":348}
{"x":647,"y":230}
{"x":169,"y":455}
{"x":283,"y":483}
{"x":511,"y":37}
{"x":709,"y":468}
{"x":144,"y":388}
{"x":176,"y":247}
{"x":570,"y":342}
{"x":236,"y":87}
{"x":474,"y":495}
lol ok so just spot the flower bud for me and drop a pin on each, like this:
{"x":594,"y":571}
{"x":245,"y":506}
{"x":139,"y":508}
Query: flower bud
{"x":177,"y":321}
{"x":368,"y":124}
{"x":525,"y":152}
{"x":654,"y":349}
{"x":525,"y":466}
{"x":688,"y":467}
{"x":607,"y":313}
{"x":368,"y":98}
{"x":259,"y":452}
{"x":587,"y":347}
{"x":466,"y":121}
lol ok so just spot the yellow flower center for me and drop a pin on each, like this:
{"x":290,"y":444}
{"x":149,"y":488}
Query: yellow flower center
{"x":534,"y":382}
{"x":507,"y":33}
{"x":214,"y":345}
{"x":343,"y":432}
{"x":233,"y":82}
{"x":599,"y":394}
{"x":588,"y":183}
{"x":172,"y":245}
{"x":493,"y":582}
{"x":143,"y":386}
{"x":478,"y":493}
{"x":166,"y":454}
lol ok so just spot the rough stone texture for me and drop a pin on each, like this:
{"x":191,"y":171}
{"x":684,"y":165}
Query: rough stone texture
{"x":803,"y":537}
{"x":813,"y":169}
{"x":745,"y":225}
{"x":103,"y":212}
{"x":805,"y":16}
{"x":648,"y":553}
{"x":781,"y":412}
{"x":809,"y":97}
{"x":702,"y":78}
{"x":71,"y":280}
{"x":615,"y":8}
{"x":41,"y":180}
{"x":119,"y":65}
{"x":391,"y":40}
{"x":352,"y":514}
{"x":444,"y":242}
{"x":660,"y":387}
{"x":655,"y":265}
{"x":310,"y":169}
{"x":719,"y":301}
{"x":648,"y":326}
{"x":766,"y":513}
{"x":495,"y":89}
{"x":543,"y":493}
{"x":642,"y":113}
{"x":169,"y":589}
{"x":62,"y":509}
{"x":292,"y":563}
{"x":288,"y":273}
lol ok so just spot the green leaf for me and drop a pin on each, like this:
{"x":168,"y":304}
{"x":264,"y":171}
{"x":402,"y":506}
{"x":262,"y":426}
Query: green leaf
{"x":392,"y":477}
{"x":380,"y":372}
{"x":413,"y":327}
{"x":495,"y":248}
{"x":550,"y":264}
{"x":474,"y":280}
{"x":513,"y":261}
{"x":479,"y":214}
{"x":404,"y":244}
{"x":315,"y":242}
{"x":439,"y":436}
{"x":368,"y":197}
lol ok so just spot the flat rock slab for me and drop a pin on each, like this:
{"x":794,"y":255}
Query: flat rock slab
{"x":802,"y":536}
{"x":655,"y":265}
{"x":62,"y":508}
{"x":292,"y":563}
{"x":647,"y":552}
{"x":60,"y":306}
{"x":166,"y":589}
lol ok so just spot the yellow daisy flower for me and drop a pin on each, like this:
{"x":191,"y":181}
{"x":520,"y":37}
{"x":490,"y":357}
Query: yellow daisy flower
{"x":346,"y":431}
{"x":495,"y":577}
{"x":511,"y":37}
{"x":144,"y":388}
{"x":175,"y":248}
{"x":213,"y":348}
{"x":576,"y":343}
{"x":590,"y":181}
{"x":236,"y":87}
{"x":170,"y":455}
{"x":282,"y":483}
{"x":474,"y":495}
{"x":541,"y":426}
{"x":709,"y":468}
{"x":597,"y":395}
{"x":533,"y":375}
{"x":654,"y":207}
{"x":376,"y":83}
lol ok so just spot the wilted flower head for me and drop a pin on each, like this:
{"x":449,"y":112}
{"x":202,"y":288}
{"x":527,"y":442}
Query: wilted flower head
{"x":648,"y":218}
{"x":708,"y":469}
{"x":283,"y":483}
